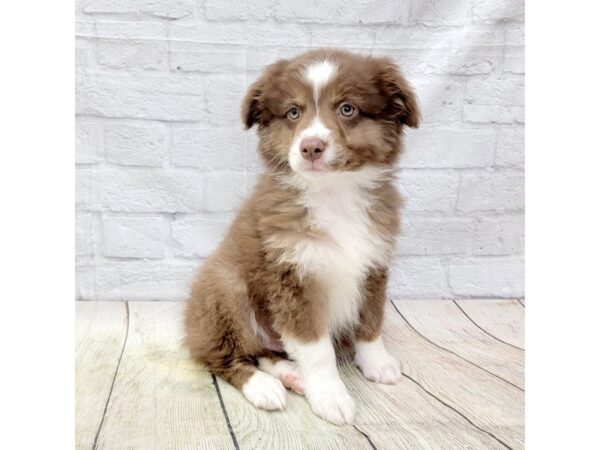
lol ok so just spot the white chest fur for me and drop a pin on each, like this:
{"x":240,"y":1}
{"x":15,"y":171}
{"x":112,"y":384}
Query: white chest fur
{"x":348,"y":245}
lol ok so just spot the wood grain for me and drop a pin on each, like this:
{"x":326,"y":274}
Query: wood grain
{"x":99,"y":336}
{"x":405,"y":416}
{"x":161,"y":399}
{"x":486,"y":401}
{"x":442,"y":322}
{"x":295,"y":427}
{"x":503,"y":319}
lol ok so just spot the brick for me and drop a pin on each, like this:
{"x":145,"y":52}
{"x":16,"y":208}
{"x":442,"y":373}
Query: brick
{"x":85,"y":235}
{"x":440,"y":101}
{"x":135,"y":145}
{"x":419,"y":38}
{"x":208,"y":148}
{"x":500,"y":101}
{"x":194,"y":57}
{"x":170,"y":9}
{"x":511,"y":148}
{"x":467,"y":61}
{"x":224,"y":190}
{"x":339,"y":11}
{"x":491,"y":191}
{"x":436,"y":236}
{"x":342,"y":36}
{"x":247,"y":10}
{"x":133,"y":54}
{"x":514,"y":35}
{"x":134,"y":189}
{"x":487,"y":277}
{"x":514,"y":59}
{"x":224,"y":95}
{"x":418,"y":277}
{"x":83,"y":57}
{"x":88,"y":142}
{"x":84,"y":53}
{"x":499,"y":236}
{"x":251,"y":34}
{"x":198,"y":235}
{"x":491,"y":10}
{"x":121,"y":29}
{"x":138,"y":280}
{"x":428,"y":191}
{"x":134,"y":236}
{"x":140,"y":96}
{"x":85,"y":27}
{"x":437,"y":147}
{"x":440,"y":12}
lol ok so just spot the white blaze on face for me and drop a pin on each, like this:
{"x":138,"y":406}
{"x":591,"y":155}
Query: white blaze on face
{"x":318,"y":75}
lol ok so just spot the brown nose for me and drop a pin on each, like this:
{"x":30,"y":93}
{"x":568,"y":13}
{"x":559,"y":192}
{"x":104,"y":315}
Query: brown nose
{"x":312,"y":148}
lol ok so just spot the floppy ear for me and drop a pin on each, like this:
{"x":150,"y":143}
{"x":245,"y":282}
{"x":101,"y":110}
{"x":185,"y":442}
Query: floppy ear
{"x":402,"y":101}
{"x":250,"y":104}
{"x":253,"y":106}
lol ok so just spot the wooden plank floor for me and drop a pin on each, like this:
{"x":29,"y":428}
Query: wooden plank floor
{"x":463,"y":387}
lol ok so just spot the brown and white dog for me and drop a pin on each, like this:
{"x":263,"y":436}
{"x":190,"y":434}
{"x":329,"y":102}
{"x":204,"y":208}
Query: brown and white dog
{"x":305,"y":264}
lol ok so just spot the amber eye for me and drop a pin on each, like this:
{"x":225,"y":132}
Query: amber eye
{"x":293,"y":113}
{"x":347,"y":110}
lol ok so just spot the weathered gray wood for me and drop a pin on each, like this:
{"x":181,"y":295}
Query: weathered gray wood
{"x":99,"y":336}
{"x":161,"y":399}
{"x":295,"y":427}
{"x":442,"y":322}
{"x":486,"y":401}
{"x":405,"y":416}
{"x":503,"y":319}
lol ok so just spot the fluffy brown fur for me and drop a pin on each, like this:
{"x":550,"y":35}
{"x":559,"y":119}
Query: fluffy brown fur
{"x":248,"y":293}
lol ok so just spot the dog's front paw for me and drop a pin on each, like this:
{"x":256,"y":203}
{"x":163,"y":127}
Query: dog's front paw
{"x":381,"y":369}
{"x":336,"y":407}
{"x":287,"y":372}
{"x":264,"y":391}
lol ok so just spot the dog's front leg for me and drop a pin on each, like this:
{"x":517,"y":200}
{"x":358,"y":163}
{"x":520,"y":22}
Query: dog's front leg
{"x":324,"y":389}
{"x":299,"y":313}
{"x":371,"y":356}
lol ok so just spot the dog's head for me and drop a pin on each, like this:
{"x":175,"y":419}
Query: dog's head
{"x":329,"y":110}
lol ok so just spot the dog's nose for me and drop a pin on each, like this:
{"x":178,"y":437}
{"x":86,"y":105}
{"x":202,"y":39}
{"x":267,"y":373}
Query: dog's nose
{"x":312,"y":148}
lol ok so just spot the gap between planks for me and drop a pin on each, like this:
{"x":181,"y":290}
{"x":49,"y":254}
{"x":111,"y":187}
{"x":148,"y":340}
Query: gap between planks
{"x":378,"y":401}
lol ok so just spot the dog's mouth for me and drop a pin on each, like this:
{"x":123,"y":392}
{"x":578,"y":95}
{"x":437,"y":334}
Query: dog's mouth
{"x":314,"y":167}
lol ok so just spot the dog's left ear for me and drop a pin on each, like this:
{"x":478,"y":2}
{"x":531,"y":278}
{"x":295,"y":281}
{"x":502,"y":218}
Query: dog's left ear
{"x":254,"y":109}
{"x":402,"y":101}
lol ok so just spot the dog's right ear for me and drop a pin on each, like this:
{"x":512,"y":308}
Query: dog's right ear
{"x":254,"y":109}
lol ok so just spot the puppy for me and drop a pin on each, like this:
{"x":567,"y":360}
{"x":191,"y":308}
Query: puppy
{"x":305,"y":263}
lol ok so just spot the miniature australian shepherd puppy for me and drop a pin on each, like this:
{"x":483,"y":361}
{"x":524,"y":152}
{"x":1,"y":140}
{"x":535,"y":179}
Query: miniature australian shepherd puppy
{"x":305,"y":264}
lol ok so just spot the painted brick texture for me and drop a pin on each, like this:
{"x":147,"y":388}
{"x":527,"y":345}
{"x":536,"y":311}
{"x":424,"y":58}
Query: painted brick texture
{"x":162,"y":160}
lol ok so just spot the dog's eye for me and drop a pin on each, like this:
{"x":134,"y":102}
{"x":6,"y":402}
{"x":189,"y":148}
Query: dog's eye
{"x":293,"y":113}
{"x":347,"y":110}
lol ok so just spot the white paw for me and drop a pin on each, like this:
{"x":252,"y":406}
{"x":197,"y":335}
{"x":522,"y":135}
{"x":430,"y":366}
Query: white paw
{"x":264,"y":391}
{"x":336,"y":407}
{"x":383,"y":369}
{"x":287,"y":372}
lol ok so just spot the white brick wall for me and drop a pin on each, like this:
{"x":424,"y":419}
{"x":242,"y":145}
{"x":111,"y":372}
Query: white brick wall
{"x":162,"y":160}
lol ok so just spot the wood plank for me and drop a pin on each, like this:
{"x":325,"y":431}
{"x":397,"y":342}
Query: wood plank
{"x":295,"y":427}
{"x":486,"y":401}
{"x":402,"y":416}
{"x":161,"y":399}
{"x":100,"y":330}
{"x":503,"y":319}
{"x":405,"y":416}
{"x":442,"y":322}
